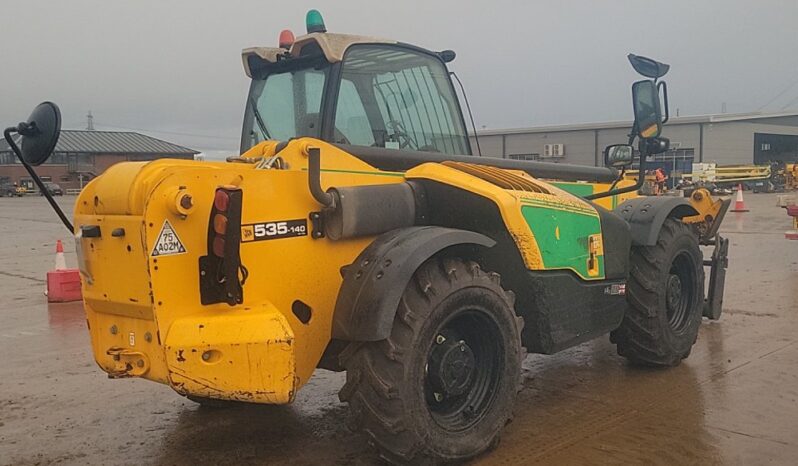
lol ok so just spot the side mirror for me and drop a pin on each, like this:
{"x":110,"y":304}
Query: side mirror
{"x":648,"y":114}
{"x":648,"y":67}
{"x":619,"y":155}
{"x":40,"y":133}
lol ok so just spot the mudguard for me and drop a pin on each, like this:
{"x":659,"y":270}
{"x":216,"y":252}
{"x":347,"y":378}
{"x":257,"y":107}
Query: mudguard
{"x":375,"y":281}
{"x":646,"y":215}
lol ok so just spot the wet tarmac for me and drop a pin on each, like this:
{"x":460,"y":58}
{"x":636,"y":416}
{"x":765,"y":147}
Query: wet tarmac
{"x":734,"y":401}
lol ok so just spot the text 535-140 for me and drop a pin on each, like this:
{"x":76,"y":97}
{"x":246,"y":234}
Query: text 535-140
{"x":274,"y":230}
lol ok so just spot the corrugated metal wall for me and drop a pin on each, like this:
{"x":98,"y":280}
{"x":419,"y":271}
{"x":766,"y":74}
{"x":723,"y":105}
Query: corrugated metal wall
{"x":727,"y":143}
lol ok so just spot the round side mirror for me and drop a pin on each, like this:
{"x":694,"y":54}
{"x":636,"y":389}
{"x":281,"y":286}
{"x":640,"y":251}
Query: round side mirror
{"x":41,"y":133}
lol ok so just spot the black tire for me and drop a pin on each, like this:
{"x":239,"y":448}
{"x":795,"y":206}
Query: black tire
{"x":423,"y":399}
{"x":665,"y":295}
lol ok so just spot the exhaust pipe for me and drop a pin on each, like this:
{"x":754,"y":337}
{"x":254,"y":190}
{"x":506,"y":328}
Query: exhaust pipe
{"x":354,"y":211}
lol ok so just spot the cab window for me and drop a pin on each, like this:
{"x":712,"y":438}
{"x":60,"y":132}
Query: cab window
{"x":351,"y":121}
{"x":398,"y":99}
{"x":285,"y":104}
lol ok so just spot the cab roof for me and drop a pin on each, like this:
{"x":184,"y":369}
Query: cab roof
{"x":332,"y":45}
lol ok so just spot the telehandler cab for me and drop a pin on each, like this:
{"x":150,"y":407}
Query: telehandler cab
{"x":356,"y":233}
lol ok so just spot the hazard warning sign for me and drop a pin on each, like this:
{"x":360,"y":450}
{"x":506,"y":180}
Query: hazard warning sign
{"x":168,"y":243}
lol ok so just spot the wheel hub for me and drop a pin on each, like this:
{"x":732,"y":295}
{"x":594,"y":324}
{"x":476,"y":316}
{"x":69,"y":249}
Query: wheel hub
{"x":673,"y":295}
{"x":451,"y":366}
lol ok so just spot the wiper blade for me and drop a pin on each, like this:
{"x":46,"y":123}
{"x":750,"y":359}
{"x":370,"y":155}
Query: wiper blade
{"x":259,"y":120}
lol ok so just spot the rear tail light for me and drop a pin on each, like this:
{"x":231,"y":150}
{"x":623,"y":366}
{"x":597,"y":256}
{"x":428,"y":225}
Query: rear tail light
{"x":219,"y":224}
{"x":218,"y":246}
{"x":221,"y":200}
{"x":222,"y":275}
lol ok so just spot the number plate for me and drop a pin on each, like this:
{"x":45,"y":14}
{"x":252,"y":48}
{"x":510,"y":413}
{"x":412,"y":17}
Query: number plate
{"x":274,"y":230}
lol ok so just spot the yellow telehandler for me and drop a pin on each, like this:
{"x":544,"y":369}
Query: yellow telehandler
{"x":356,"y":232}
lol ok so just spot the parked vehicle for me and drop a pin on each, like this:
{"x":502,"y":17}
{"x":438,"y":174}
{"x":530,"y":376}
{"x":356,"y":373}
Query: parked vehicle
{"x":53,"y":188}
{"x":12,"y":189}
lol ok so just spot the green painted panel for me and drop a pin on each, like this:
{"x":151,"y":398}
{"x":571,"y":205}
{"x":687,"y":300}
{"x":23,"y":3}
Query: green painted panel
{"x":582,"y":190}
{"x":577,"y":189}
{"x":570,"y":249}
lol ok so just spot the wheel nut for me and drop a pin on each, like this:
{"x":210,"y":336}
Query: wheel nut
{"x":440,"y":339}
{"x":206,"y":355}
{"x":140,"y":363}
{"x":462,"y":345}
{"x":438,"y":397}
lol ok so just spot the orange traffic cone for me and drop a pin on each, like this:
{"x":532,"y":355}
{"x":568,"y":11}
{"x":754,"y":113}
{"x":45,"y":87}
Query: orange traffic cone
{"x":60,"y":261}
{"x":739,"y":204}
{"x":63,"y":284}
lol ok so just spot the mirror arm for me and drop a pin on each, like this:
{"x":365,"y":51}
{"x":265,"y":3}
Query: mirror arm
{"x":613,"y":192}
{"x":641,"y":176}
{"x":35,"y":177}
{"x":26,"y":129}
{"x":665,"y":98}
{"x":633,"y":134}
{"x":618,"y":180}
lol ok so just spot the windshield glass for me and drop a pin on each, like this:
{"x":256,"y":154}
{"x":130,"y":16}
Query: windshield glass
{"x":397,"y":98}
{"x":285,"y":104}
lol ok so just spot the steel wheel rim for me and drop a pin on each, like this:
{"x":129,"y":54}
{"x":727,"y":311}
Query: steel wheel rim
{"x":474,"y":393}
{"x":680,"y":291}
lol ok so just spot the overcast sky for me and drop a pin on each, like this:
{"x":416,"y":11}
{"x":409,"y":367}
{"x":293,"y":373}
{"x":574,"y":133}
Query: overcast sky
{"x":172,"y":69}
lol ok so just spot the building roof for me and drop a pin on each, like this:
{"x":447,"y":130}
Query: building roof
{"x":116,"y":142}
{"x":714,"y":118}
{"x":112,"y":142}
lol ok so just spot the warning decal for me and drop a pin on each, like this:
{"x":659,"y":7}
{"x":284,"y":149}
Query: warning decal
{"x":168,"y":243}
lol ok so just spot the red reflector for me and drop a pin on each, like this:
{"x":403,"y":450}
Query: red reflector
{"x":221,"y":200}
{"x":218,"y":246}
{"x":220,"y":224}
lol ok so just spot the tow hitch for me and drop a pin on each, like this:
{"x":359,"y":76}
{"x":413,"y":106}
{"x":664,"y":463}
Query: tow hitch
{"x":127,"y":363}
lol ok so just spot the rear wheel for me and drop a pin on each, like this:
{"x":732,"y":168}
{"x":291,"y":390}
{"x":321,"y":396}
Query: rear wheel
{"x":665,"y":293}
{"x":442,"y":386}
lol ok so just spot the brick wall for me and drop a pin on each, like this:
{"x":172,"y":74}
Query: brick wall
{"x":59,"y":173}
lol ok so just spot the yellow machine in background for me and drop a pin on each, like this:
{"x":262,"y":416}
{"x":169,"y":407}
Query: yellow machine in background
{"x":711,"y":172}
{"x":776,"y":176}
{"x":791,"y":171}
{"x":649,"y":182}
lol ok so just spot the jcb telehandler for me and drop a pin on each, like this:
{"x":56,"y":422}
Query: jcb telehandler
{"x":356,"y":233}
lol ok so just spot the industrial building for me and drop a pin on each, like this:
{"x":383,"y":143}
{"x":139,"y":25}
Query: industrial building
{"x":81,"y":155}
{"x":727,"y":139}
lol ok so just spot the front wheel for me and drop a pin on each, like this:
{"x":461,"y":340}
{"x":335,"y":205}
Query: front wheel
{"x":443,"y":385}
{"x":665,"y":295}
